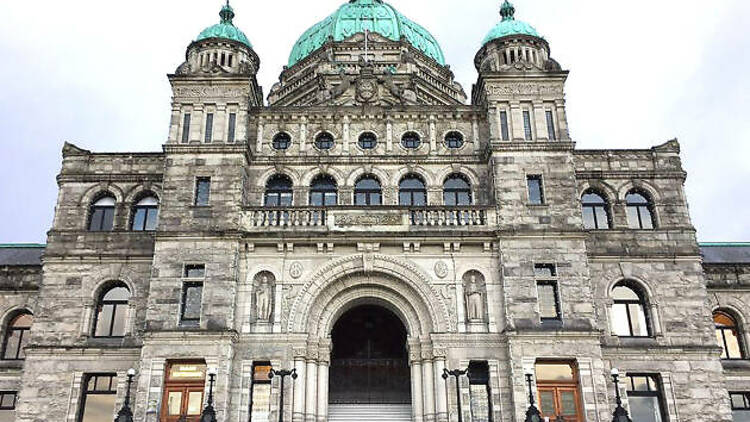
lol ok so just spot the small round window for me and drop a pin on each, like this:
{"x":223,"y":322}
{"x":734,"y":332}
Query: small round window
{"x":410,"y":140}
{"x":324,"y":141}
{"x":282,"y":140}
{"x":368,"y":140}
{"x":454,"y":139}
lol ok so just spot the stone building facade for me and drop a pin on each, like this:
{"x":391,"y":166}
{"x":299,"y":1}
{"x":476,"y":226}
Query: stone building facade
{"x":369,"y":229}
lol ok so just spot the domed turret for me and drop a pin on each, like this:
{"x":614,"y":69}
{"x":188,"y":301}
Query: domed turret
{"x":513,"y":45}
{"x":225,"y":28}
{"x":356,"y":16}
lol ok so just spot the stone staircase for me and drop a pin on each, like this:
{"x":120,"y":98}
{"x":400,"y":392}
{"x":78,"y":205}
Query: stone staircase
{"x":369,"y":413}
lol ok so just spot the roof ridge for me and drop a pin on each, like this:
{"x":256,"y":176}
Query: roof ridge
{"x":23,"y":245}
{"x":723,"y":244}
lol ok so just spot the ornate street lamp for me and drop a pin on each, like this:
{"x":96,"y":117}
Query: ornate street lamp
{"x":620,"y":415}
{"x":456,"y":373}
{"x":283,"y":374}
{"x":125,"y":414}
{"x":532,"y":413}
{"x":209,"y":413}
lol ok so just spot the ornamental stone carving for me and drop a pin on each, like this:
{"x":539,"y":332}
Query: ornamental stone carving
{"x":264,"y":286}
{"x":295,"y":270}
{"x":474,"y":294}
{"x":441,"y":269}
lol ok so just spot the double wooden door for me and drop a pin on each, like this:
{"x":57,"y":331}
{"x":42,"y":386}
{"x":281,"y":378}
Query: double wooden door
{"x":183,"y":401}
{"x":560,"y":400}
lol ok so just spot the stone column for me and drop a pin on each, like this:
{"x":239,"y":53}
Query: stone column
{"x":562,"y":120}
{"x":311,"y":388}
{"x":428,"y":388}
{"x":540,"y":122}
{"x":416,"y":391}
{"x":388,"y":138}
{"x":433,"y":134}
{"x":298,"y":413}
{"x":303,"y":134}
{"x":441,"y":397}
{"x":345,"y":134}
{"x":322,"y":391}
{"x":259,"y":140}
{"x":515,"y":119}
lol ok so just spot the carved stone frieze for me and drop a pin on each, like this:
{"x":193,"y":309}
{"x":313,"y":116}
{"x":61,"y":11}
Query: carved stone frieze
{"x":527,"y":90}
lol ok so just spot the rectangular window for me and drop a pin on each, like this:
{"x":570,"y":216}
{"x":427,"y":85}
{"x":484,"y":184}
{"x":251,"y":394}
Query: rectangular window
{"x":527,"y":125}
{"x":99,"y":395}
{"x":536,"y":191}
{"x":195,"y":271}
{"x":479,"y":391}
{"x":645,"y":398}
{"x":232,"y":123}
{"x":504,"y":126}
{"x":551,"y":126}
{"x":192,"y":296}
{"x":7,"y":406}
{"x":186,"y":128}
{"x":209,"y":128}
{"x":202,"y":191}
{"x":547,"y":292}
{"x":740,"y":407}
{"x":260,"y":394}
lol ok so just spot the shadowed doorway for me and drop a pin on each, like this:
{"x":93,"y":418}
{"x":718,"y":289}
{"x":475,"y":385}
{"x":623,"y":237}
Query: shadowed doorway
{"x":369,"y":361}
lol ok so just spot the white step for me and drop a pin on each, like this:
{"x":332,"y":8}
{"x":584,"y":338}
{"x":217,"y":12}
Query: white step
{"x":369,"y":412}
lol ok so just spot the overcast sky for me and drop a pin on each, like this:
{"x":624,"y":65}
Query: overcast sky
{"x":94,"y":73}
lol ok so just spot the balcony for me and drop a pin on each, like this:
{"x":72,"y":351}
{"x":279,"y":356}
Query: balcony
{"x":378,"y":218}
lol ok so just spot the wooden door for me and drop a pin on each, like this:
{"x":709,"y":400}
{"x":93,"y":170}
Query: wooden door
{"x":560,"y":400}
{"x":183,"y":393}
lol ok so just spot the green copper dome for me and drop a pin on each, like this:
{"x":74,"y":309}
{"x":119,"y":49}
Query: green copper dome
{"x":359,"y":15}
{"x":225,"y":28}
{"x":509,"y":25}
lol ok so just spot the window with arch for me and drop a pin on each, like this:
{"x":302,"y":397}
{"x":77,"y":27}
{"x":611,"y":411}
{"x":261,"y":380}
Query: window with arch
{"x":112,"y":311}
{"x":456,"y":191}
{"x":629,"y":312}
{"x":17,"y":336}
{"x":323,"y":191}
{"x":102,"y":214}
{"x":640,"y":210}
{"x":728,"y":335}
{"x":324,"y":140}
{"x":145,"y":214}
{"x":278,"y":191}
{"x":368,"y":140}
{"x":595,"y":211}
{"x":412,"y":191}
{"x":411,"y":140}
{"x":281,"y":141}
{"x":454,"y":139}
{"x":367,"y":191}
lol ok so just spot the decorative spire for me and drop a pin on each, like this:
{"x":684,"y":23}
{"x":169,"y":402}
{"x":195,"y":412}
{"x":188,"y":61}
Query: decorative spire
{"x":507,"y":11}
{"x":227,"y":14}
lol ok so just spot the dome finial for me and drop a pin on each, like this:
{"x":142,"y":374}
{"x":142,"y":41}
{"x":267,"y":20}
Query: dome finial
{"x":227,"y":14}
{"x":507,"y":11}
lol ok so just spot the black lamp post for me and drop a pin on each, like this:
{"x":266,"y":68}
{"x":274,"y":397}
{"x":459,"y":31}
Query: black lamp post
{"x":620,"y":415}
{"x":532,"y":413}
{"x":283,"y":374}
{"x":209,"y":413}
{"x":125,"y":414}
{"x":456,"y":373}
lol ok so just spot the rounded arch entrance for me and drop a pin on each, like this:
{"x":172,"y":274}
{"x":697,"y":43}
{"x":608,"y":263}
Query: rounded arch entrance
{"x":369,"y":358}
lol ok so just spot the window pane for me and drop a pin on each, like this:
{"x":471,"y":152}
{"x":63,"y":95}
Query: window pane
{"x":8,"y":400}
{"x":152,"y":219}
{"x":360,"y":199}
{"x":195,"y":402}
{"x":620,"y":326}
{"x":550,"y":126}
{"x":741,"y":416}
{"x":554,"y":372}
{"x":601,"y":218}
{"x":633,"y":221}
{"x":733,"y":344}
{"x":527,"y":125}
{"x":420,"y":199}
{"x":195,"y":271}
{"x":192,"y":304}
{"x":103,"y":321}
{"x":174,"y":401}
{"x":202,"y":191}
{"x":99,"y":408}
{"x":547,"y":301}
{"x":118,"y":329}
{"x":547,"y":402}
{"x":449,"y":199}
{"x":464,"y":198}
{"x":209,"y":127}
{"x":11,"y":344}
{"x":645,"y":409}
{"x":186,"y":128}
{"x":285,"y":199}
{"x":638,"y":319}
{"x":568,"y":403}
{"x":720,"y":342}
{"x":232,"y":124}
{"x":535,"y":189}
{"x":646,"y":218}
{"x":404,"y":198}
{"x":375,"y":199}
{"x":504,"y":125}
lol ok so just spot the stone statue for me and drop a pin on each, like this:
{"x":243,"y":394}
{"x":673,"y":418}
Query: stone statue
{"x":263,"y":295}
{"x":474,"y":299}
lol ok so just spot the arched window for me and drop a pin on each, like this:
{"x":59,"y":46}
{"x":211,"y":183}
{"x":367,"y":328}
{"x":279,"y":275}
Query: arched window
{"x":412,"y":191}
{"x":728,"y":336}
{"x":640,"y":210}
{"x":102,"y":214}
{"x":281,"y":141}
{"x":17,"y":336}
{"x":145,"y":214}
{"x":278,"y":192}
{"x":111,"y":312}
{"x":454,"y":139}
{"x":629,"y":316}
{"x":411,"y":140}
{"x":595,"y":211}
{"x":367,"y":191}
{"x":368,"y":140}
{"x":456,"y":191}
{"x":323,"y":192}
{"x":324,"y":140}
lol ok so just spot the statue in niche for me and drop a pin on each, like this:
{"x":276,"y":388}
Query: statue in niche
{"x":264,"y":295}
{"x":474,"y":294}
